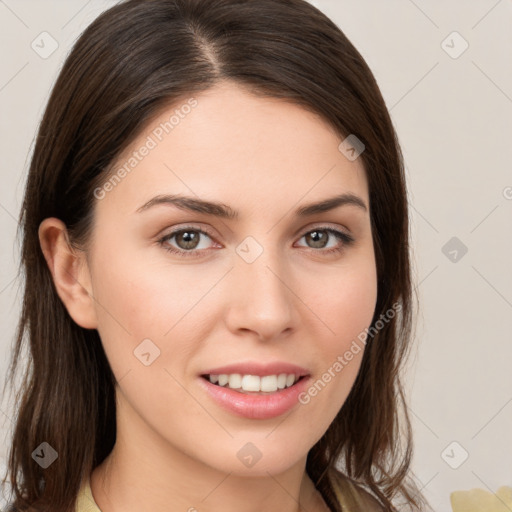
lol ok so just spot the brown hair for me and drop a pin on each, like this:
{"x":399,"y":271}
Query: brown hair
{"x":132,"y":61}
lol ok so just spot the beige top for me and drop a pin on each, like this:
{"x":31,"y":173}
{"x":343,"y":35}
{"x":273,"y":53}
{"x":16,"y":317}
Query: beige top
{"x":85,"y":501}
{"x":350,"y":497}
{"x":353,"y":498}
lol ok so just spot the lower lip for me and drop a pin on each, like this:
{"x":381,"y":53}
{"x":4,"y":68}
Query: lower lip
{"x":257,"y":407}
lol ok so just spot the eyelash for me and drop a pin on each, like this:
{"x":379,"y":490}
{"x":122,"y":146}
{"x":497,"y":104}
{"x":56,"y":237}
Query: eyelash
{"x":346,"y":240}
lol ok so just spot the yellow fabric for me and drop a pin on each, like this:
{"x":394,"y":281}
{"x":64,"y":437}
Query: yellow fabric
{"x":476,"y":500}
{"x":348,"y":495}
{"x":85,"y":501}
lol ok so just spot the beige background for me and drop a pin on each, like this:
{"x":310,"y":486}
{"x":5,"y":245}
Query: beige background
{"x":453,"y":114}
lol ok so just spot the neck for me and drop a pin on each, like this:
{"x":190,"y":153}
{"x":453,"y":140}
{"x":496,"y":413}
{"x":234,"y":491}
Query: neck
{"x":146,"y":472}
{"x":119,"y":484}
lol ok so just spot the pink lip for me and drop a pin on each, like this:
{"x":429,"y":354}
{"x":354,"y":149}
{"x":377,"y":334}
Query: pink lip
{"x":260,"y":369}
{"x":256,"y":406}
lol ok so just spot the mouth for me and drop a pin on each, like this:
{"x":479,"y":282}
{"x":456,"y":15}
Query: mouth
{"x":256,"y":390}
{"x":254,"y":384}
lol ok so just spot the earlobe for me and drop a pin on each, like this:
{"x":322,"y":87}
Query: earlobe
{"x":70,"y":272}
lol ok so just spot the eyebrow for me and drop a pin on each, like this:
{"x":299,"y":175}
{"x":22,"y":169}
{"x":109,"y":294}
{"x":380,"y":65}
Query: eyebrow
{"x":224,"y":211}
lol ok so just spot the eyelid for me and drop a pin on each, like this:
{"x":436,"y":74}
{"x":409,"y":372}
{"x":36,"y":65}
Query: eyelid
{"x":191,"y":226}
{"x":322,"y":225}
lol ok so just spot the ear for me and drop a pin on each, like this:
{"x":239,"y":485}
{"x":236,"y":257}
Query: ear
{"x":70,"y":272}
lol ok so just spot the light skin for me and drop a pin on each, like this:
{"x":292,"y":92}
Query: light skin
{"x":176,"y":449}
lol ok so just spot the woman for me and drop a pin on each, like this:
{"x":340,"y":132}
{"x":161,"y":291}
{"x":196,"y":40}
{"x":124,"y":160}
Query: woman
{"x":218,"y":296}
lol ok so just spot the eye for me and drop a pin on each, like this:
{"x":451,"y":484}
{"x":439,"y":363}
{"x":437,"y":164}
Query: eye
{"x":321,"y":236}
{"x":188,"y":241}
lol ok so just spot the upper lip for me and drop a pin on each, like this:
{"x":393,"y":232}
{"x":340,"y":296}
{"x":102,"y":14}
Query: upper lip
{"x":260,"y":369}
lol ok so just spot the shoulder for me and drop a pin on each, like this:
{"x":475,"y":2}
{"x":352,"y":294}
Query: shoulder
{"x":357,"y":498}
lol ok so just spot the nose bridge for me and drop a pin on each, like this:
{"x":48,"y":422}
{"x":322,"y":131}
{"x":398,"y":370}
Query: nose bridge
{"x":262,"y":300}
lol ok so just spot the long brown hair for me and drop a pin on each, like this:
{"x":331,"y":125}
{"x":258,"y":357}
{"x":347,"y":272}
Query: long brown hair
{"x":133,"y":60}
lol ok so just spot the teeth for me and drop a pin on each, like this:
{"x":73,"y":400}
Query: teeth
{"x":269,"y":383}
{"x":250,"y":383}
{"x":235,"y":381}
{"x":254,"y":383}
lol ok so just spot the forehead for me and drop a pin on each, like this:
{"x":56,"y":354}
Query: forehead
{"x":229,"y":145}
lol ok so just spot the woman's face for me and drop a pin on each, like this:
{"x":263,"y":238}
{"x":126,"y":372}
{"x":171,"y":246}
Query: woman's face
{"x":181,"y":293}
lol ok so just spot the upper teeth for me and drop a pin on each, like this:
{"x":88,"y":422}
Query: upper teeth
{"x":267,"y":383}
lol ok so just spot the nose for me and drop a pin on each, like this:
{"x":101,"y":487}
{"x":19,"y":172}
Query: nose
{"x":261,"y":298}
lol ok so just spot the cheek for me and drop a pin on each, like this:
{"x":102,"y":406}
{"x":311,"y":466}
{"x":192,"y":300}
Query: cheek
{"x":355,"y":307}
{"x":346,"y":304}
{"x":141,"y":299}
{"x":346,"y":308}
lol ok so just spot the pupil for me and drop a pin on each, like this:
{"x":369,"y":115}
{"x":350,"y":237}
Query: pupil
{"x":317,"y":237}
{"x":189,"y":238}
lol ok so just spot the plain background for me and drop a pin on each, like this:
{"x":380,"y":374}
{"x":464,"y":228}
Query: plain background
{"x":452,"y":109}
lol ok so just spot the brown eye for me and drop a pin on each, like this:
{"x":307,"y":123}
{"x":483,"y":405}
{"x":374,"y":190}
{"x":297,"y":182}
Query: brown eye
{"x":318,"y":238}
{"x":187,"y":242}
{"x":187,"y":239}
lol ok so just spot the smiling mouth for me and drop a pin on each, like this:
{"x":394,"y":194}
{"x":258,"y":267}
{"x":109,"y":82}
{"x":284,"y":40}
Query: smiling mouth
{"x":254,"y":384}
